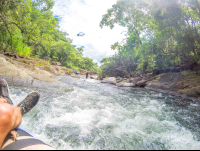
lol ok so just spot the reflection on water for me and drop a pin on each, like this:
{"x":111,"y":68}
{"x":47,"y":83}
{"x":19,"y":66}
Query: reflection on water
{"x":86,"y":114}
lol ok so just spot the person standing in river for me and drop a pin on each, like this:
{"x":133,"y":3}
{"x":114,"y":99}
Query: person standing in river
{"x":87,"y":74}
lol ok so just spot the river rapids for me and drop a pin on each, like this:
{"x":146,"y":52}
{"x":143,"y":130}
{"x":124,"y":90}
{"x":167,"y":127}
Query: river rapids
{"x":86,"y":114}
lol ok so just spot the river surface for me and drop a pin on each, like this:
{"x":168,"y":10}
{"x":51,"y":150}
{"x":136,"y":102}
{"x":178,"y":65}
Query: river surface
{"x":86,"y":114}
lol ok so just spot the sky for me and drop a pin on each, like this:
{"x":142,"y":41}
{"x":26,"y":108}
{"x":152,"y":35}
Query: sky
{"x":85,"y":16}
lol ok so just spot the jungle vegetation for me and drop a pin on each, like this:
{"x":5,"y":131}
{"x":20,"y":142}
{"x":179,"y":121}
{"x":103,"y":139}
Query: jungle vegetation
{"x":160,"y":34}
{"x":28,"y":28}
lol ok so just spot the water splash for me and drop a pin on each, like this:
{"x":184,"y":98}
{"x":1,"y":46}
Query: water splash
{"x":85,"y":114}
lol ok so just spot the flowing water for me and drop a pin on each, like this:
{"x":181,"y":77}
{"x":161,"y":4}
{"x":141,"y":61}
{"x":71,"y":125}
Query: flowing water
{"x":86,"y":114}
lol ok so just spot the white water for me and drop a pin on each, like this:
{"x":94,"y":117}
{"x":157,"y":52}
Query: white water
{"x":85,"y":114}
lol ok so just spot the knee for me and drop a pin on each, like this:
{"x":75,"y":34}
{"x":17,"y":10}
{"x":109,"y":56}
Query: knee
{"x":6,"y":112}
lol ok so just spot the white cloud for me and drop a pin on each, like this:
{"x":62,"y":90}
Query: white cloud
{"x":85,"y":16}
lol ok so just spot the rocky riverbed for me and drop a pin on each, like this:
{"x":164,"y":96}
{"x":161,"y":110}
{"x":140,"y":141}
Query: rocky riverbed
{"x":29,"y":70}
{"x":182,"y":84}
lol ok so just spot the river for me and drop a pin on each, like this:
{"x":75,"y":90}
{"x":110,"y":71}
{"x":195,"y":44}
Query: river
{"x":86,"y":114}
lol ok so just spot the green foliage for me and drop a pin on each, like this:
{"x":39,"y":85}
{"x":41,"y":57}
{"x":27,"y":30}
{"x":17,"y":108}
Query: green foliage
{"x":160,"y":34}
{"x":28,"y":28}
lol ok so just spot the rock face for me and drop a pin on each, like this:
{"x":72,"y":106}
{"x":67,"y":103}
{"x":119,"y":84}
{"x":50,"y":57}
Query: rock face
{"x":125,"y":84}
{"x":110,"y":80}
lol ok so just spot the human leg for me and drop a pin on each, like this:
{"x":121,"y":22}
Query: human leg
{"x":10,"y":118}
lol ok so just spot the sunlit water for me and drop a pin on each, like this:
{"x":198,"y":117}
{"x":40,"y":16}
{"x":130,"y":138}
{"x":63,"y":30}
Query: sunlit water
{"x":86,"y":114}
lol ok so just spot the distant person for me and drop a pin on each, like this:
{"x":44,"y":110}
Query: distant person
{"x":87,"y":74}
{"x":76,"y":72}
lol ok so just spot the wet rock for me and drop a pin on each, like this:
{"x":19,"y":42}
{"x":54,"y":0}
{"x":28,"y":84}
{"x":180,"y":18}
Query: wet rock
{"x":110,"y":80}
{"x":94,"y":77}
{"x":125,"y":84}
{"x":142,"y":83}
{"x":100,"y":78}
{"x":135,"y":80}
{"x":119,"y":79}
{"x":75,"y":76}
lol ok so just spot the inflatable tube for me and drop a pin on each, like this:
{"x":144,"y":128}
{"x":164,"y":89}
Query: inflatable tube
{"x":23,"y":143}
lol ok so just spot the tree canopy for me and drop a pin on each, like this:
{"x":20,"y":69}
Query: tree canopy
{"x":160,"y":34}
{"x":28,"y":28}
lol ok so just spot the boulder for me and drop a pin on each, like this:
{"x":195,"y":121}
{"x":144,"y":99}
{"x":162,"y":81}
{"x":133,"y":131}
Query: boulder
{"x":125,"y":84}
{"x":110,"y":80}
{"x":135,"y":80}
{"x":142,"y":83}
{"x":99,"y":78}
{"x":94,"y":77}
{"x":118,"y":80}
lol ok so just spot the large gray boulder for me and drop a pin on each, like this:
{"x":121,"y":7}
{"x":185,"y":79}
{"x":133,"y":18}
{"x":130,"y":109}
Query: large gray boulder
{"x":125,"y":84}
{"x":110,"y":80}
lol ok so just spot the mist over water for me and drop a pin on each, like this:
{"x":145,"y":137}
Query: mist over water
{"x":86,"y":114}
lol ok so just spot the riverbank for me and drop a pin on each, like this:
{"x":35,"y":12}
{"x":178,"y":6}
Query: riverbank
{"x":183,"y":84}
{"x":29,"y":70}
